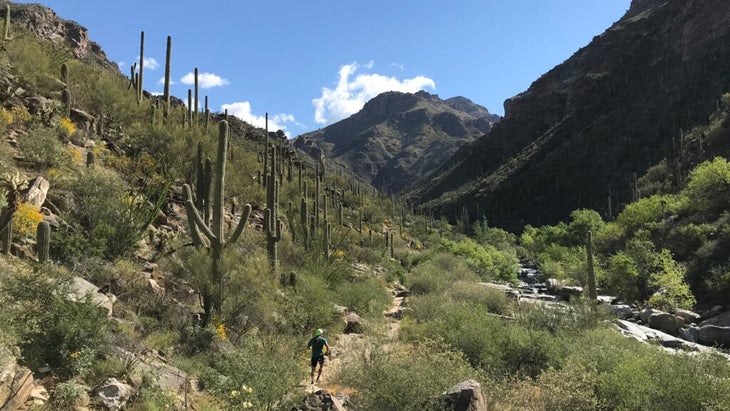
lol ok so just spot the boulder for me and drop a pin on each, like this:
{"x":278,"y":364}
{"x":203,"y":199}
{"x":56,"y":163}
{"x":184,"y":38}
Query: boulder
{"x":689,"y":317}
{"x":353,"y":323}
{"x":16,"y":385}
{"x":322,"y":400}
{"x":716,"y":310}
{"x":37,"y":192}
{"x":669,"y":323}
{"x":80,"y":288}
{"x":464,"y":396}
{"x":690,"y":334}
{"x":714,"y":335}
{"x":114,"y":394}
{"x":569,"y":291}
{"x":646,"y":313}
{"x":620,"y":310}
{"x":721,"y":320}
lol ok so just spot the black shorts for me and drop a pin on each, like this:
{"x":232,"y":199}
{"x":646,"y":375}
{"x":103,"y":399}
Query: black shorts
{"x":316,"y":360}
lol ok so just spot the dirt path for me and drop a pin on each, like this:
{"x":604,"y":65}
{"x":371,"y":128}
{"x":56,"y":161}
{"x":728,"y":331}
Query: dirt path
{"x":348,"y":346}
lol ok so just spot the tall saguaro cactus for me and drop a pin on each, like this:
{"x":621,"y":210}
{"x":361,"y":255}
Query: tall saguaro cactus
{"x":141,"y":67}
{"x":272,"y":222}
{"x":6,"y":28}
{"x":43,"y":240}
{"x":213,"y":231}
{"x":166,"y":90}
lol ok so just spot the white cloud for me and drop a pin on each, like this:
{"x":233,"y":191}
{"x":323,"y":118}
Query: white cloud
{"x":242,"y":110}
{"x":351,"y":94}
{"x":399,"y":66}
{"x":150,"y":63}
{"x":162,"y":81}
{"x":205,"y":80}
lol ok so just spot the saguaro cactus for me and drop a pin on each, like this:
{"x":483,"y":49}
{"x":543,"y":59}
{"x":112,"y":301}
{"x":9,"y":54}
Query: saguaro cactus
{"x":166,"y":90}
{"x":303,"y":216}
{"x":11,"y":185}
{"x":141,"y":67}
{"x":43,"y":241}
{"x":272,"y":222}
{"x":66,"y":102}
{"x":592,"y":292}
{"x":214,"y":232}
{"x":195,"y":116}
{"x":6,"y":28}
{"x":64,"y":73}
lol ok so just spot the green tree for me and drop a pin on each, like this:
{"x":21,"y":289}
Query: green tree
{"x":709,"y":186}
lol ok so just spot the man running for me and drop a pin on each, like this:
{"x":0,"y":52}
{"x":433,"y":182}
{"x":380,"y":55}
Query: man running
{"x":319,"y":347}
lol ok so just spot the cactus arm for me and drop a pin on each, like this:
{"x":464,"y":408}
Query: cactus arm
{"x":241,"y":224}
{"x":198,"y":220}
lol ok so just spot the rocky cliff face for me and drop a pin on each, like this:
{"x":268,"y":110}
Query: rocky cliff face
{"x":611,"y":110}
{"x":44,"y":23}
{"x":398,"y":137}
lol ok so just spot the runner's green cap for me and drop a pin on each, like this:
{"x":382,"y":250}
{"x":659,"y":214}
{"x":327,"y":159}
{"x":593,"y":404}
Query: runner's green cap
{"x":318,"y":332}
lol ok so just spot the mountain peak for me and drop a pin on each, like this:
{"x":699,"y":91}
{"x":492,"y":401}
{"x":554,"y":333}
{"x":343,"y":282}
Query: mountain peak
{"x":399,"y":137}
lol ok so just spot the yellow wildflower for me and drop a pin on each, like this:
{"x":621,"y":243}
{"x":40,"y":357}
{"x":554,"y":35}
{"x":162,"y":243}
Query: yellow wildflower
{"x":67,"y":126}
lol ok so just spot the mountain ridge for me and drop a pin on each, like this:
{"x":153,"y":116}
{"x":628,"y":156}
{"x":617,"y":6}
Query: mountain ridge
{"x":398,"y":137}
{"x":584,"y":128}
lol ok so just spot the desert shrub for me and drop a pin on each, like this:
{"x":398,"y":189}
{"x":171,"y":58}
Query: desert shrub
{"x":309,"y":305}
{"x":367,"y":296}
{"x":66,"y":394}
{"x":580,"y":315}
{"x":570,"y":387}
{"x":583,"y":221}
{"x":494,"y":301}
{"x":34,"y":60}
{"x":686,"y":239}
{"x":496,"y":237}
{"x":491,"y":263}
{"x":646,"y":213}
{"x":114,"y":217}
{"x":260,"y":372}
{"x":406,"y":377}
{"x":41,"y":149}
{"x":67,"y":335}
{"x":708,"y":186}
{"x":668,"y":281}
{"x":247,"y":301}
{"x":26,"y":219}
{"x":621,"y":277}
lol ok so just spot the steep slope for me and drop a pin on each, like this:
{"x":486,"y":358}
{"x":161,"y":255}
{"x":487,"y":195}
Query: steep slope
{"x":582,"y":130}
{"x":45,"y":23}
{"x":399,"y":137}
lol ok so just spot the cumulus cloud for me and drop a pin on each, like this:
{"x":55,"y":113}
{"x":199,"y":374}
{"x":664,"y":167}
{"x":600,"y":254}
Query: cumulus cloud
{"x":150,"y":63}
{"x":162,"y":81}
{"x":353,"y":91}
{"x":242,"y":110}
{"x":205,"y":80}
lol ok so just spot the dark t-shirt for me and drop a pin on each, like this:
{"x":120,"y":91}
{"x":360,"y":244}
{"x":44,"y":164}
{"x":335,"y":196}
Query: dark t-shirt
{"x":317,"y":343}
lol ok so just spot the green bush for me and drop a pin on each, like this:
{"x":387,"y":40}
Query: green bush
{"x":709,"y":186}
{"x":494,"y":301}
{"x":491,"y":263}
{"x":41,"y":149}
{"x":309,"y":305}
{"x":367,"y":296}
{"x":269,"y":365}
{"x":405,"y":377}
{"x":64,"y":334}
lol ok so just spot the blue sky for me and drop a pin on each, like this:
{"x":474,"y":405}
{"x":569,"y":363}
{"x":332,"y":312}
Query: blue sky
{"x":311,"y":63}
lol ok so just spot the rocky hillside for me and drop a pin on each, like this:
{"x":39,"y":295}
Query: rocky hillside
{"x":581,"y":131}
{"x":46,"y":24}
{"x":399,"y":137}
